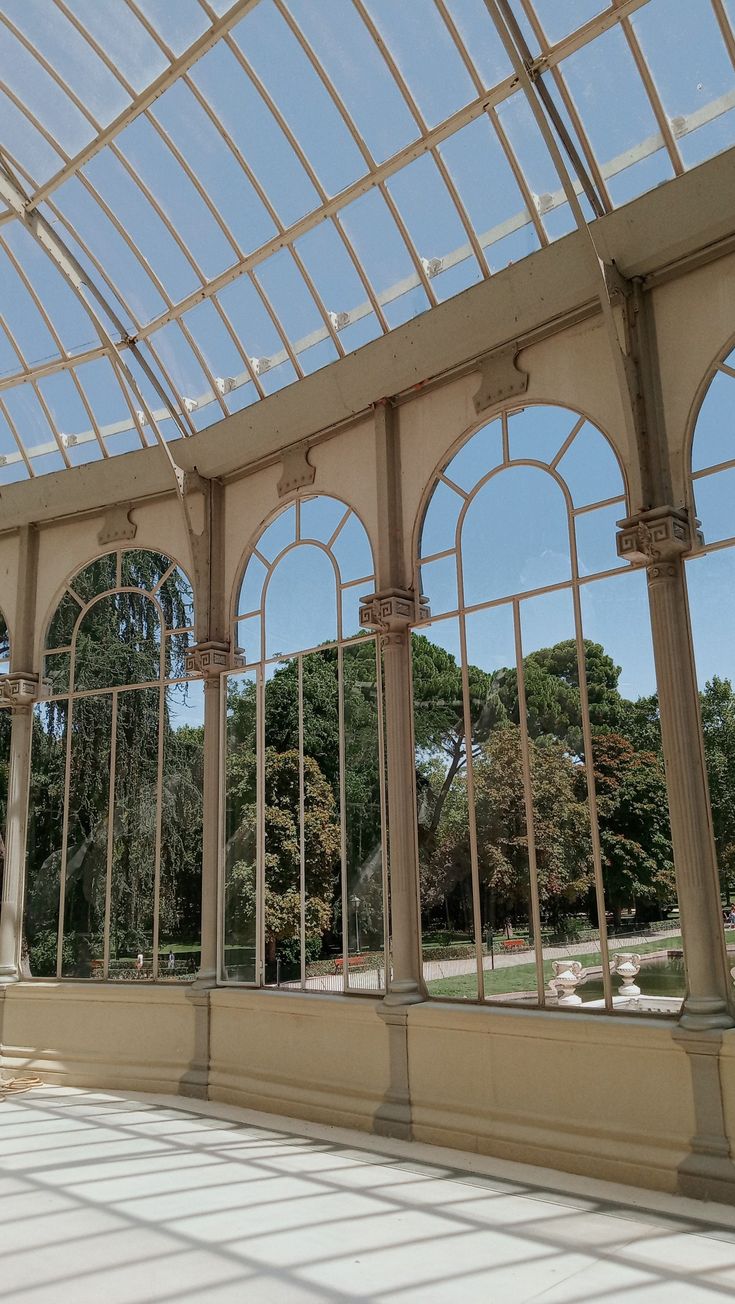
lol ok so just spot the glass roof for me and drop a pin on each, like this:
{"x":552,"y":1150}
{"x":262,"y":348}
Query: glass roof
{"x":201,"y":201}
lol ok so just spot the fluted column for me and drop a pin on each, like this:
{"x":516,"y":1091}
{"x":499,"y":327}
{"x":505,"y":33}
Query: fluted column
{"x":209,"y":660}
{"x":392,"y":612}
{"x":660,"y":539}
{"x":19,"y":692}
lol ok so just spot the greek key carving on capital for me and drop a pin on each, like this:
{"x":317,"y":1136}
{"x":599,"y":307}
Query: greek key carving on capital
{"x":209,"y":659}
{"x":661,"y":535}
{"x":21,"y":689}
{"x":393,"y":610}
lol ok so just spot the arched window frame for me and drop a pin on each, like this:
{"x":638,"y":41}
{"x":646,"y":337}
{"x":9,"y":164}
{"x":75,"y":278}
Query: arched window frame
{"x":574,"y":584}
{"x":69,"y":693}
{"x":361,"y":586}
{"x":723,"y":365}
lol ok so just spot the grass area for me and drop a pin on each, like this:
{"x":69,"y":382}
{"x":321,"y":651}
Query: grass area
{"x":522,"y":977}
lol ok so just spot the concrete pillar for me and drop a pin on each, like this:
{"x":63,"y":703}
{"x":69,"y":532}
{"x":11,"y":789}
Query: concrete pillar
{"x":659,"y":539}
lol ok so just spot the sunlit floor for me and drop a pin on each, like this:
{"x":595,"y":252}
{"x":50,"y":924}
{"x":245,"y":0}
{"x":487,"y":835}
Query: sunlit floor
{"x":111,"y":1197}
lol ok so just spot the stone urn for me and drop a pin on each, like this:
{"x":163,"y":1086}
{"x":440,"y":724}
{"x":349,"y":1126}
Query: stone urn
{"x":626,"y":966}
{"x":567,"y":975}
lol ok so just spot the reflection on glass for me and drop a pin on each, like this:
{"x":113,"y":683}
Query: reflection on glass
{"x":87,"y":837}
{"x":45,"y":827}
{"x":363,"y":820}
{"x":445,"y":865}
{"x":134,"y":833}
{"x":239,"y":955}
{"x":179,"y":905}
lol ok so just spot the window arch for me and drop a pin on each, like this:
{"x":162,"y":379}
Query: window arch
{"x":710,"y":585}
{"x":304,"y":864}
{"x":113,"y":883}
{"x":534,"y":715}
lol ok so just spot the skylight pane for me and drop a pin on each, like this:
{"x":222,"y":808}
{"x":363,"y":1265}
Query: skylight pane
{"x":490,"y":193}
{"x":176,"y":195}
{"x":215,"y":165}
{"x":359,"y":73}
{"x":426,"y":55}
{"x":105,"y":397}
{"x":68,"y":413}
{"x":70,"y":55}
{"x":8,"y":446}
{"x":558,"y":20}
{"x":435,"y":227}
{"x":536,"y":164}
{"x":25,"y":143}
{"x":599,"y":75}
{"x":29,"y":420}
{"x":256,"y":133}
{"x":296,"y":309}
{"x":103,"y":277}
{"x":39,"y":92}
{"x":142,"y":223}
{"x":9,"y":361}
{"x":342,"y":292}
{"x":223,"y":359}
{"x":71,"y":321}
{"x":25,"y":322}
{"x":185,"y":373}
{"x":84,"y":214}
{"x":481,"y":40}
{"x":257,"y":333}
{"x":123,"y":37}
{"x":384,"y":256}
{"x":288,"y":76}
{"x":691,"y":68}
{"x":178,"y":24}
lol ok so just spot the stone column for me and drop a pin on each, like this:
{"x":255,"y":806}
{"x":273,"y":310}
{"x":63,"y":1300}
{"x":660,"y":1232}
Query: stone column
{"x":209,"y":660}
{"x":19,"y":691}
{"x":392,"y":612}
{"x":660,"y":539}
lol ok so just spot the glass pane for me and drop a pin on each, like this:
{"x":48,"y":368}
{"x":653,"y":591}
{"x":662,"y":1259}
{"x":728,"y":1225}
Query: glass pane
{"x":322,"y":822}
{"x":62,"y":625}
{"x":118,"y":642}
{"x":637,"y":863}
{"x":45,"y":825}
{"x":714,"y":438}
{"x":363,"y":820}
{"x":308,"y":572}
{"x":134,"y":834}
{"x":239,"y":962}
{"x":540,"y":553}
{"x":448,"y":924}
{"x":180,"y":891}
{"x":283,"y":826}
{"x":97,"y":577}
{"x":714,"y":498}
{"x":87,"y":839}
{"x":477,"y":457}
{"x":561,"y":817}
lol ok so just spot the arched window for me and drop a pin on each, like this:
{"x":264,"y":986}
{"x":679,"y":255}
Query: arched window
{"x":304,"y":813}
{"x":540,"y":784}
{"x":113,"y":886}
{"x":711,"y":585}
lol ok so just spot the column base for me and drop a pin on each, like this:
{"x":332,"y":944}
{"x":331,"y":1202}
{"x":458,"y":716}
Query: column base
{"x":404,"y":992}
{"x":8,"y":974}
{"x":703,"y":1013}
{"x":205,"y":980}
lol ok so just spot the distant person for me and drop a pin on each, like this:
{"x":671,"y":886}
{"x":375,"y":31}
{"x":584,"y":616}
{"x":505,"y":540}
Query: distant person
{"x":171,"y":962}
{"x":139,"y":961}
{"x":731,"y":917}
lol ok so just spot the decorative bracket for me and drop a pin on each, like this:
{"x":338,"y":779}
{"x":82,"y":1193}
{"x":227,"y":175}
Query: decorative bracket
{"x":393,"y":609}
{"x":21,"y":689}
{"x":117,"y":524}
{"x":296,"y":469}
{"x":210,"y":659}
{"x":660,"y":535}
{"x":501,"y":378}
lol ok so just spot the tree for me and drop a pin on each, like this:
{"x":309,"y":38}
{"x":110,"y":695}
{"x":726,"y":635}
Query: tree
{"x":717,"y":702}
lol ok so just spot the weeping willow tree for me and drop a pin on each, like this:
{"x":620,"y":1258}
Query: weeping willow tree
{"x":133,"y":810}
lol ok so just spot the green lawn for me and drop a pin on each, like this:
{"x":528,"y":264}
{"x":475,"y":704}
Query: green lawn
{"x":522,"y":977}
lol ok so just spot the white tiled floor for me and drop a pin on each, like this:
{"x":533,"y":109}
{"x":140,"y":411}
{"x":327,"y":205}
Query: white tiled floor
{"x":121,"y":1199}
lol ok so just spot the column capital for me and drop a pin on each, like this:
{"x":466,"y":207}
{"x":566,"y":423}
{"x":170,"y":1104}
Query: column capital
{"x":21,"y":689}
{"x":661,"y":534}
{"x":393,"y":610}
{"x":210,"y":658}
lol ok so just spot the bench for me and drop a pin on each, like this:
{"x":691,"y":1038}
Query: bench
{"x":515,"y":944}
{"x":353,"y":962}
